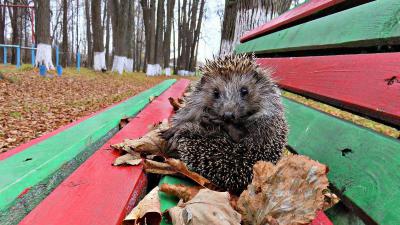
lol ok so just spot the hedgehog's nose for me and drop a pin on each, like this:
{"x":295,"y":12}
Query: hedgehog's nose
{"x":229,"y":116}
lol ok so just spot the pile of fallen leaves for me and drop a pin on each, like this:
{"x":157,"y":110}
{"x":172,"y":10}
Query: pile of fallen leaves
{"x":290,"y":192}
{"x":32,"y":105}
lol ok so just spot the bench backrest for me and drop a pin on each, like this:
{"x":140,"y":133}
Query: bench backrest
{"x":315,"y":51}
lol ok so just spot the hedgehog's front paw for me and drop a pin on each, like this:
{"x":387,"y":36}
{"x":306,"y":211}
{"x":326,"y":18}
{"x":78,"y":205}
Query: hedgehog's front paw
{"x":234,"y":132}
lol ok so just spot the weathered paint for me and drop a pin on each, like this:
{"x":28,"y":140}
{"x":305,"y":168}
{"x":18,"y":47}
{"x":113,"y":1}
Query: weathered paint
{"x":39,"y":164}
{"x":97,"y":192}
{"x":362,"y":26}
{"x":363,"y":165}
{"x":356,"y":82}
{"x":300,"y":12}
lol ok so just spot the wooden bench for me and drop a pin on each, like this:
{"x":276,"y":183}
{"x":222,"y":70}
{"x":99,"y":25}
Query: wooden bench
{"x":32,"y":171}
{"x":348,"y":58}
{"x":66,"y":177}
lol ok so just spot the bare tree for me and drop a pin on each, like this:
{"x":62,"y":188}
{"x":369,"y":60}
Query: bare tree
{"x":14,"y":14}
{"x":99,"y":62}
{"x":120,"y":17}
{"x":190,"y":17}
{"x":43,"y":53}
{"x":167,"y":37}
{"x":88,"y":34}
{"x":228,"y":27}
{"x":159,"y":32}
{"x":128,"y":66}
{"x":108,"y":28}
{"x":64,"y":61}
{"x":248,"y":15}
{"x":148,"y":7}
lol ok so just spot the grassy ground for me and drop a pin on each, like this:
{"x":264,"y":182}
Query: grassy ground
{"x":32,"y":105}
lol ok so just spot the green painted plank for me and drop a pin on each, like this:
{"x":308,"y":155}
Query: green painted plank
{"x":368,"y":176}
{"x":38,"y":164}
{"x":168,"y":201}
{"x":361,"y":26}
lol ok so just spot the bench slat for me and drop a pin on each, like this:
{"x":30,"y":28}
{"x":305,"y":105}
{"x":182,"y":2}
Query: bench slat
{"x":41,"y":167}
{"x":97,"y":192}
{"x":362,"y":26}
{"x":363,"y":164}
{"x":302,"y":11}
{"x":355,"y":82}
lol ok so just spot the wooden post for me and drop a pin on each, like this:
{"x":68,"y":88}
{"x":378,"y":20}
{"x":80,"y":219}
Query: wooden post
{"x":18,"y":57}
{"x":5,"y":56}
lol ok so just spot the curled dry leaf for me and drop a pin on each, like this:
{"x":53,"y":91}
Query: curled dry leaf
{"x":151,"y":143}
{"x":147,"y":211}
{"x":176,"y":103}
{"x":128,"y":159}
{"x":181,"y":168}
{"x":186,"y":193}
{"x":330,"y":199}
{"x":175,"y":166}
{"x":124,"y":121}
{"x":151,"y":166}
{"x":207,"y":207}
{"x":290,"y":192}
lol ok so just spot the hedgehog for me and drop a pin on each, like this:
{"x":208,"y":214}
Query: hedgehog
{"x":232,"y":119}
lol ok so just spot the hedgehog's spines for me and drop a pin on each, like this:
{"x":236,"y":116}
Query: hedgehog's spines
{"x":207,"y":148}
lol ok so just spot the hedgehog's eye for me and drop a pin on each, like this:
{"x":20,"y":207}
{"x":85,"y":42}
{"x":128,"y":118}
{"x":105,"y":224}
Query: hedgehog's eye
{"x":216,"y":94}
{"x":244,"y":91}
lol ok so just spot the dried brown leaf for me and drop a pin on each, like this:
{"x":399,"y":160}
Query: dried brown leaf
{"x":123,"y":122}
{"x":176,"y":103}
{"x":181,"y":168}
{"x":128,"y":159}
{"x":150,"y":143}
{"x":290,"y":192}
{"x":207,"y":207}
{"x":151,"y":166}
{"x":147,"y":211}
{"x":186,"y":193}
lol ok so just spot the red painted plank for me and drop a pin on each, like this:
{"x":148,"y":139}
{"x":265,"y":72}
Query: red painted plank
{"x":35,"y":141}
{"x":355,"y":82}
{"x":321,"y":219}
{"x":97,"y":192}
{"x":300,"y":12}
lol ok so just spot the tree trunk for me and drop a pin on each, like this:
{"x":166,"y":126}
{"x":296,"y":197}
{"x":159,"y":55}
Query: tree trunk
{"x":149,"y":8}
{"x":159,"y":33}
{"x":99,"y":62}
{"x":128,"y":66}
{"x":88,"y":34}
{"x":228,"y":28}
{"x":249,"y":14}
{"x":14,"y":14}
{"x":65,"y":57}
{"x":167,"y":38}
{"x":2,"y":29}
{"x":43,"y":53}
{"x":193,"y":53}
{"x":120,"y":9}
{"x":108,"y":28}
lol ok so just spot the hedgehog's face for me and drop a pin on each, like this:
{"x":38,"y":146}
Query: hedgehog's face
{"x":236,"y":98}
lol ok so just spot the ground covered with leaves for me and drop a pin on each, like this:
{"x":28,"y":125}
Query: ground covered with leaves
{"x":32,"y":105}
